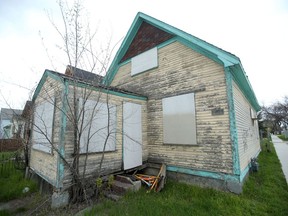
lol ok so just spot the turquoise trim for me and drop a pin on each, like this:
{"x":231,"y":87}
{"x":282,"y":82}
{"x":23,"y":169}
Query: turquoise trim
{"x":220,"y":56}
{"x":202,"y":51}
{"x":125,"y":95}
{"x":242,"y":81}
{"x":166,"y":43}
{"x":39,"y":86}
{"x":244,"y":172}
{"x":232,"y":123}
{"x":43,"y":79}
{"x":60,"y":162}
{"x":122,"y":135}
{"x":247,"y":168}
{"x":206,"y":174}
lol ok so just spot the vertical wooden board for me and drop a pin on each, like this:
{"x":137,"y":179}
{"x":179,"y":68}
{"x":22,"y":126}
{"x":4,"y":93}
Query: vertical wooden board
{"x":132,"y":135}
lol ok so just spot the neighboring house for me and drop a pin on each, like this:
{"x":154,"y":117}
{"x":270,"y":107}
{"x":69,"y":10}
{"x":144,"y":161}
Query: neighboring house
{"x":10,"y":123}
{"x":27,"y":119}
{"x":187,"y":102}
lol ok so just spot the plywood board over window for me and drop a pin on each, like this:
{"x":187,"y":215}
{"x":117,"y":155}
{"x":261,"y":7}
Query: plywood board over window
{"x":98,"y":126}
{"x":144,"y":61}
{"x":179,"y":122}
{"x":43,"y":125}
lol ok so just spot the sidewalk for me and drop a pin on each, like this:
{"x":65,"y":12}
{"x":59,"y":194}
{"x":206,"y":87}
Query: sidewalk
{"x":282,"y":152}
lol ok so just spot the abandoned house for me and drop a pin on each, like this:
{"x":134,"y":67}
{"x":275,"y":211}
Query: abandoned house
{"x":168,"y":97}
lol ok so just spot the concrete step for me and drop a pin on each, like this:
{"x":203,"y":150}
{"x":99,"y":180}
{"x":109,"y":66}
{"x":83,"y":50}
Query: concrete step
{"x":123,"y":184}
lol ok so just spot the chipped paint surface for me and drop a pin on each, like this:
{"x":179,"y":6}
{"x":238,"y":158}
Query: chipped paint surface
{"x":182,"y":70}
{"x":232,"y":123}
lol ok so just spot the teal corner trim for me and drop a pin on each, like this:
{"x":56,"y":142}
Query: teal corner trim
{"x":60,"y":162}
{"x":40,"y":85}
{"x":206,"y":174}
{"x":122,"y":135}
{"x":43,"y":79}
{"x":247,"y":168}
{"x":232,"y":122}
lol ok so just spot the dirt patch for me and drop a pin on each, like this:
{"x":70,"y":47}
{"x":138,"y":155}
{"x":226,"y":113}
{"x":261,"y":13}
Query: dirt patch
{"x":37,"y":204}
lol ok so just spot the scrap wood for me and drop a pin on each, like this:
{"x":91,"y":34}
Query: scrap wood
{"x":149,"y":180}
{"x":155,"y":183}
{"x":160,"y":180}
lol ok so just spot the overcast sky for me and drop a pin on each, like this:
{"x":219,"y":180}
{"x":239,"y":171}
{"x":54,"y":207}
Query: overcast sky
{"x":254,"y":30}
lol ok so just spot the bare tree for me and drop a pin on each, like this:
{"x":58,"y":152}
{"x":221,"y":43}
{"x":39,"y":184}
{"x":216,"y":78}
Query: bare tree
{"x":277,"y":115}
{"x":83,"y":105}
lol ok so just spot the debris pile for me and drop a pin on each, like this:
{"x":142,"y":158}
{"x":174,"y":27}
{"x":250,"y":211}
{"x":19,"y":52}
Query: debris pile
{"x":155,"y":183}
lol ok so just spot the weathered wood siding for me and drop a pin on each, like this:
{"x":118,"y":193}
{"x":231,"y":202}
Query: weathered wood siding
{"x":247,"y":129}
{"x":182,"y":70}
{"x":112,"y":160}
{"x":43,"y":163}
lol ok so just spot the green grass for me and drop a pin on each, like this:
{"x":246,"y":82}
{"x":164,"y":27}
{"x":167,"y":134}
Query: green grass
{"x":265,"y":193}
{"x":283,"y":137}
{"x":12,"y":181}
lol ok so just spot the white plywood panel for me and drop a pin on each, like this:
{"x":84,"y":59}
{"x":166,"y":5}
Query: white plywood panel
{"x":43,"y":126}
{"x":144,"y":61}
{"x":98,"y":127}
{"x":179,"y":122}
{"x":132,"y":135}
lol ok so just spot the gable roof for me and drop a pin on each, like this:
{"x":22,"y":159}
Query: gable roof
{"x":7,"y":114}
{"x":83,"y":83}
{"x":80,"y":74}
{"x":215,"y":53}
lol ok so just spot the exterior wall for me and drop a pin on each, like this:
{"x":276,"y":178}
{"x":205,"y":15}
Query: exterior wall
{"x":3,"y":135}
{"x":182,"y":70}
{"x":45,"y":164}
{"x":112,"y":160}
{"x":247,"y":129}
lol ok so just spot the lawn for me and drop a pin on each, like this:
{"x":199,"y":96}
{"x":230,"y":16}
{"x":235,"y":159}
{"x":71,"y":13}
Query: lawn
{"x":265,"y":193}
{"x":12,"y":181}
{"x":283,"y":137}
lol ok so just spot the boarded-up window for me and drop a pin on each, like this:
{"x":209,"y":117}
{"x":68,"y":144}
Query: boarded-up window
{"x":144,"y":61}
{"x":179,"y":122}
{"x":43,"y":125}
{"x":98,"y":126}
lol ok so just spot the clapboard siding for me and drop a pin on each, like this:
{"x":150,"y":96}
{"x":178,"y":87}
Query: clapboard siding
{"x":182,"y":70}
{"x":247,"y":129}
{"x":45,"y":164}
{"x":112,"y":160}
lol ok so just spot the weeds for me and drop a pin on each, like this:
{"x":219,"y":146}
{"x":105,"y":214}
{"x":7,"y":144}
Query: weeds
{"x":264,"y":193}
{"x":12,"y":181}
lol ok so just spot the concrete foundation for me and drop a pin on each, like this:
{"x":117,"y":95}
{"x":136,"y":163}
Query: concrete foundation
{"x":60,"y":199}
{"x":219,"y":184}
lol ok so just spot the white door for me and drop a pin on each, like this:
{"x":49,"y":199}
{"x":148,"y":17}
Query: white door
{"x":132,"y":135}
